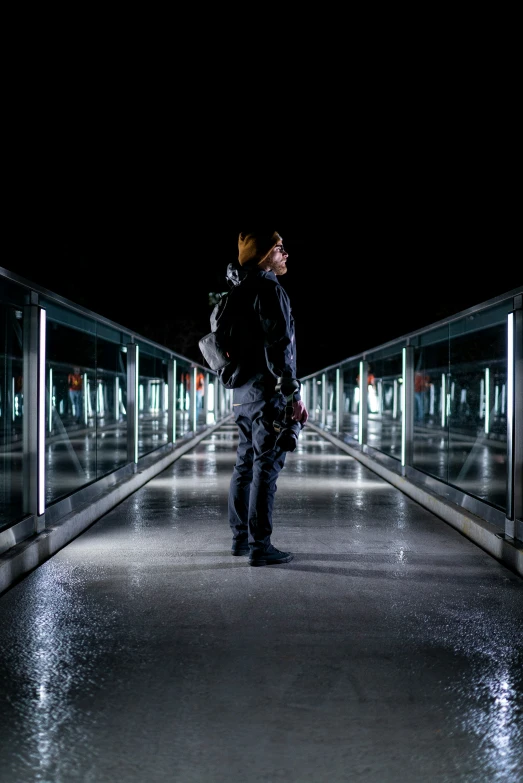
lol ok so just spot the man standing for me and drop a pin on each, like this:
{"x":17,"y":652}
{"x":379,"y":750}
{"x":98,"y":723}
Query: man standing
{"x":267,"y":361}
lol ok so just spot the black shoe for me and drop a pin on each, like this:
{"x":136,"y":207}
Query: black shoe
{"x":240,"y":548}
{"x":270,"y":556}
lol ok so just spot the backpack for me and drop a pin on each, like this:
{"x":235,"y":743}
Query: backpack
{"x":218,"y":347}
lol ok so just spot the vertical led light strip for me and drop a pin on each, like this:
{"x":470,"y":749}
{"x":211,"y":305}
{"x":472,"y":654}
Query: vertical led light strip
{"x":487,"y":400}
{"x":100,"y":408}
{"x":173,"y":402}
{"x":338,"y":400}
{"x":510,"y":357}
{"x":50,"y":409}
{"x":136,"y":403}
{"x":324,"y":399}
{"x":403,"y":392}
{"x":41,"y":414}
{"x":193,"y":401}
{"x":510,"y":379}
{"x":360,"y":407}
{"x":443,"y":399}
{"x":211,"y":402}
{"x":86,"y":398}
{"x":117,"y":399}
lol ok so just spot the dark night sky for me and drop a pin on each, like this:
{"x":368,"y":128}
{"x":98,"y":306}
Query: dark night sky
{"x":355,"y":280}
{"x":396,"y":206}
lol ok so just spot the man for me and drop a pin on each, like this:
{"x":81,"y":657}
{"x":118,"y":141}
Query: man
{"x":269,"y":384}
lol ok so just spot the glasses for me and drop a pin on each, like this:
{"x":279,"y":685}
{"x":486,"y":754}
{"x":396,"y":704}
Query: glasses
{"x":281,"y":249}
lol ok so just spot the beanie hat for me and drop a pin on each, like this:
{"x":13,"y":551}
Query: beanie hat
{"x":254,"y":248}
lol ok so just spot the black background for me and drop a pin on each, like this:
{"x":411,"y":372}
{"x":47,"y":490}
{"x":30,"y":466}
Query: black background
{"x":346,"y":298}
{"x":396,"y":251}
{"x":391,"y":179}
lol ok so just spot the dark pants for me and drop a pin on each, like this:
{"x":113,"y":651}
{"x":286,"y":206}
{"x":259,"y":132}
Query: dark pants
{"x":253,"y":482}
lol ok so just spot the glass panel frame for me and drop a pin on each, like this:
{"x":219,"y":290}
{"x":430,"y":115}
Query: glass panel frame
{"x":12,"y":495}
{"x":385,"y":414}
{"x":350,"y":402}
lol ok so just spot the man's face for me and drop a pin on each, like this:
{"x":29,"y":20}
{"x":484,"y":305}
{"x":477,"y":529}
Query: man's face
{"x":276,"y":261}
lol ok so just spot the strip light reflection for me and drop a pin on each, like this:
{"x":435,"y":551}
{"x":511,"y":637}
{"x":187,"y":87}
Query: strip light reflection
{"x":324,"y":400}
{"x":136,"y":403}
{"x":50,"y":408}
{"x":443,"y":398}
{"x":360,"y":407}
{"x":41,"y":415}
{"x":173,"y":434}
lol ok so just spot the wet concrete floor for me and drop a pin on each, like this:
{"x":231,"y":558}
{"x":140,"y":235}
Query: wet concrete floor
{"x":390,"y":650}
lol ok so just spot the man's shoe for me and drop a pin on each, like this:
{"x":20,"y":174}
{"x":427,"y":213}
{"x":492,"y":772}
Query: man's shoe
{"x":270,"y":556}
{"x":240,"y":548}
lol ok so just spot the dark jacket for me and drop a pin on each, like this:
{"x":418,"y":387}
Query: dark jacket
{"x":267,"y":337}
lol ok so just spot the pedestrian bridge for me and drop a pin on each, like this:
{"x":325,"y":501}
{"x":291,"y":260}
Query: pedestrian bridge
{"x":134,"y":646}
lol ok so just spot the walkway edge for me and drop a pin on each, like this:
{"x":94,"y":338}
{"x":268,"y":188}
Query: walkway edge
{"x":480,"y":531}
{"x":24,"y":557}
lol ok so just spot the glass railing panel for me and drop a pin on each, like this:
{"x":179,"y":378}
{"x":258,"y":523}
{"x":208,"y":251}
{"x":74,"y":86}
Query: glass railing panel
{"x":201,"y":413}
{"x":111,"y":402}
{"x":183,"y":398}
{"x":384,"y":402}
{"x":222,"y":396}
{"x":317,"y":399}
{"x":152,"y":399}
{"x":212,"y":401}
{"x":11,"y":414}
{"x":330,"y":399}
{"x":476,"y":407}
{"x":306,"y":394}
{"x":216,"y":402}
{"x":70,"y":426}
{"x":350,"y":400}
{"x":430,"y":433}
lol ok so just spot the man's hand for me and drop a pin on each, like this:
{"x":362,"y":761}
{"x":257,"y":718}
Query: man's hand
{"x":299,"y":412}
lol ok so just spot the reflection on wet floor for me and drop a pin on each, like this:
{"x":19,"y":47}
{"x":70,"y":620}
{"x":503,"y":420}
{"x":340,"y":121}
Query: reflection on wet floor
{"x":389,"y":650}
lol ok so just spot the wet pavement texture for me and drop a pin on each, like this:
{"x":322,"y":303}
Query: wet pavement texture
{"x":389,"y":650}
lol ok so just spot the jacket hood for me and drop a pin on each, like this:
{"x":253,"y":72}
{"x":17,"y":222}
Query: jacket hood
{"x":236,"y":274}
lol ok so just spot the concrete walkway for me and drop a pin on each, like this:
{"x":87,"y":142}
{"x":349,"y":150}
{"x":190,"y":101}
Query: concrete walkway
{"x":390,"y":650}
